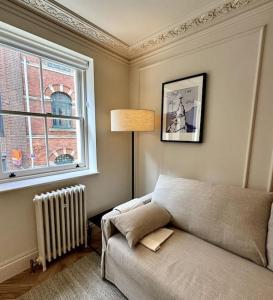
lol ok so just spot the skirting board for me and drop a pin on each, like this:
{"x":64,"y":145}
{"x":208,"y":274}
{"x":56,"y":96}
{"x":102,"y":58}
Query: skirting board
{"x":16,"y":265}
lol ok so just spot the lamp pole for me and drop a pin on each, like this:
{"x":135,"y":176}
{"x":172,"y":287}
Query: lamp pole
{"x":133,"y":164}
{"x":132,"y":120}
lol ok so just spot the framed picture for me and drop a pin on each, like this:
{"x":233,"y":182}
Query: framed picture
{"x":182,"y":110}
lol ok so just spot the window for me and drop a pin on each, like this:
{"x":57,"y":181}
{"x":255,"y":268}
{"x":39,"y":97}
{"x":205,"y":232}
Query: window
{"x":1,"y":121}
{"x":46,"y":108}
{"x":64,"y":159}
{"x":61,"y":105}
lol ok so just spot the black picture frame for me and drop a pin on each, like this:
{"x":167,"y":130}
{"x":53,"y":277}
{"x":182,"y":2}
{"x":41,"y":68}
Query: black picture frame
{"x":174,"y":124}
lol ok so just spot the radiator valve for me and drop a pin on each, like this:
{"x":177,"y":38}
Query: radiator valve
{"x":34,"y":263}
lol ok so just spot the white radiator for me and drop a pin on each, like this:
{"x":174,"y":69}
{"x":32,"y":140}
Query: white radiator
{"x":61,"y":222}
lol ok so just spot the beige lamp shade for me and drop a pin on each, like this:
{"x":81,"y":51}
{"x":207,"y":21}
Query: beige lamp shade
{"x":132,"y":120}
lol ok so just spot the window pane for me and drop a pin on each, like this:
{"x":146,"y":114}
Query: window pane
{"x":60,"y":88}
{"x":1,"y":121}
{"x":23,"y":145}
{"x":61,"y":104}
{"x":64,"y":141}
{"x":20,"y":88}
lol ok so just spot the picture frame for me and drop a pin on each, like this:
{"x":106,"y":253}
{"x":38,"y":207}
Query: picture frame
{"x":182,"y":109}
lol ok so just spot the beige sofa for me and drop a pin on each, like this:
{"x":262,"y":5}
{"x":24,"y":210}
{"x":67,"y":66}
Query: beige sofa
{"x":222,"y":247}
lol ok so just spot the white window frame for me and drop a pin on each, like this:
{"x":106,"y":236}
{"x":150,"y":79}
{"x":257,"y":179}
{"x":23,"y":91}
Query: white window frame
{"x":16,"y":38}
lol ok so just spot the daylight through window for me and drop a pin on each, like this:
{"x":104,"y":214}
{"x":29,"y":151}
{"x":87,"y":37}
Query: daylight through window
{"x":41,"y":114}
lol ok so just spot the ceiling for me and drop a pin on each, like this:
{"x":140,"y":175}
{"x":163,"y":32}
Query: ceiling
{"x":134,"y":20}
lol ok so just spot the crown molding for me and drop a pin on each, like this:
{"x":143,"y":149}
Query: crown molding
{"x":68,"y":19}
{"x":178,"y":31}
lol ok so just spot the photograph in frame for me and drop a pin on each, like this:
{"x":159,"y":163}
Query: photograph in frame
{"x":183,"y":109}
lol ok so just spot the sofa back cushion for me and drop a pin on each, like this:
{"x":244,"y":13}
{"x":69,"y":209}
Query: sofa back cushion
{"x":233,"y":218}
{"x":270,"y":242}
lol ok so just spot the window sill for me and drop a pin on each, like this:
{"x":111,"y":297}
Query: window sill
{"x":30,"y":182}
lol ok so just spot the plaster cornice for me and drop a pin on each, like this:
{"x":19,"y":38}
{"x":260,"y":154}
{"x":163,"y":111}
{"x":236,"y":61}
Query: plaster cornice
{"x":177,"y":32}
{"x":66,"y":18}
{"x":61,"y":15}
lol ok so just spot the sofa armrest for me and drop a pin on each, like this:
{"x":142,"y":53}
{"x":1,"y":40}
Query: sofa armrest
{"x":129,"y":205}
{"x":108,"y":229}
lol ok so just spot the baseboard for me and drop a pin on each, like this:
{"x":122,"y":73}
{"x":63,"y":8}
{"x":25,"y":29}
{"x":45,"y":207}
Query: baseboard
{"x":16,"y":265}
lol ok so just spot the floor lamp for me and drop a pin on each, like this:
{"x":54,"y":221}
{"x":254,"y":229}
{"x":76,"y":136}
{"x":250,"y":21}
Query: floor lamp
{"x":132,"y":120}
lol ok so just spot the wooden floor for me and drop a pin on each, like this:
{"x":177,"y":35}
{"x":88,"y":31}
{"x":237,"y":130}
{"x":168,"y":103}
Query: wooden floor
{"x":23,"y":282}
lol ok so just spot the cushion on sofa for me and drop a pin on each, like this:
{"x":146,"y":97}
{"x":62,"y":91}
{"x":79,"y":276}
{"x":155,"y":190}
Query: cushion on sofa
{"x":231,"y":217}
{"x":137,"y":223}
{"x":185,"y":267}
{"x":269,"y":245}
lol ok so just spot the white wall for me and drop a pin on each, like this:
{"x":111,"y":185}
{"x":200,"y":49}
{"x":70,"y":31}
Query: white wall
{"x":105,"y":190}
{"x":229,"y":53}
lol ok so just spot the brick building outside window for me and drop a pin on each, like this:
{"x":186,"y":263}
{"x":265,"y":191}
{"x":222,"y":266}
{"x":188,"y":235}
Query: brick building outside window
{"x":22,"y":139}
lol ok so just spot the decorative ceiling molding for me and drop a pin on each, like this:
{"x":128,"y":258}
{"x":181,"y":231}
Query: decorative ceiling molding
{"x":72,"y":21}
{"x":177,"y":32}
{"x":60,"y":14}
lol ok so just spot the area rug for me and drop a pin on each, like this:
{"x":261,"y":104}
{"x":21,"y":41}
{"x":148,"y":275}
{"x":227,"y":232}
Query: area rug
{"x":79,"y":281}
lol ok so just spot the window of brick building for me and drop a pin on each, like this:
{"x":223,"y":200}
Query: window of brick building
{"x":1,"y":120}
{"x":46,"y":109}
{"x":61,"y":105}
{"x":64,"y":159}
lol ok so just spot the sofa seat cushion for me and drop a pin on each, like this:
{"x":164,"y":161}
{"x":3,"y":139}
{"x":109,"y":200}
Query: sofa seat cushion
{"x":230,"y":217}
{"x":185,"y":267}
